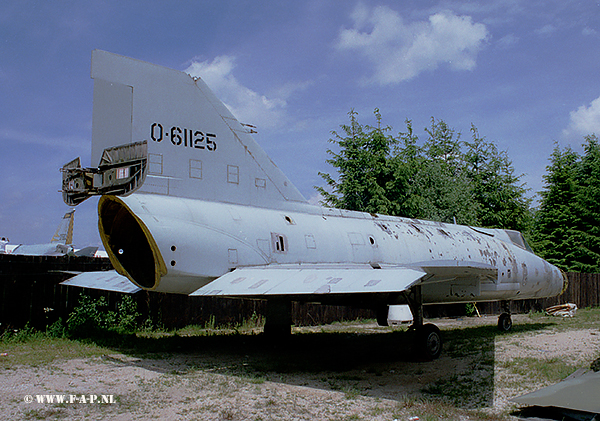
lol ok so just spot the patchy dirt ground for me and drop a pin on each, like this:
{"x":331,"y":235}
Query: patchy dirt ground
{"x":348,"y":371}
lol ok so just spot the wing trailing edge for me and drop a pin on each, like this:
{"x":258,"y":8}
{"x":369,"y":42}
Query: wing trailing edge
{"x":304,"y":280}
{"x":107,"y":281}
{"x":449,"y":270}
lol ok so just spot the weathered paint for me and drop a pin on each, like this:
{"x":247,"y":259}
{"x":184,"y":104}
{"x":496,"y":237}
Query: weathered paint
{"x":213,"y":202}
{"x":196,"y":239}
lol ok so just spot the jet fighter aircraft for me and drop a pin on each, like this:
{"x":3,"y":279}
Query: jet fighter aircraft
{"x":191,"y":204}
{"x":61,"y":243}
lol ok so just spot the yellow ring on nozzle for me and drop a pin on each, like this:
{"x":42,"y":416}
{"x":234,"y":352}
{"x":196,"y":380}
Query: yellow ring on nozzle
{"x":565,"y":281}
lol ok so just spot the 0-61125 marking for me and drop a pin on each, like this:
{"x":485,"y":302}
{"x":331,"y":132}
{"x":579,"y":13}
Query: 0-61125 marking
{"x":184,"y":137}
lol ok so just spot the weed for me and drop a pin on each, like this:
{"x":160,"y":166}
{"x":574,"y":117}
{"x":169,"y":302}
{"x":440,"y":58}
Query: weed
{"x":254,"y":321}
{"x":126,"y":317}
{"x":57,"y":329}
{"x":210,"y":323}
{"x":227,"y":414}
{"x":257,"y":379}
{"x":470,"y":309}
{"x":376,"y":411}
{"x":351,"y":392}
{"x":38,"y":414}
{"x":150,"y":325}
{"x":90,"y":318}
{"x":19,"y":335}
{"x":545,"y":369}
{"x":470,"y":391}
{"x":87,"y":317}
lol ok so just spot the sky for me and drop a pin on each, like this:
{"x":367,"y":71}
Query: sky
{"x":526,"y":73}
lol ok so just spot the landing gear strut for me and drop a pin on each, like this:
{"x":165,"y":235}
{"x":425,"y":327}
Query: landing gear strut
{"x":279,"y":319}
{"x":428,"y":341}
{"x":504,"y":320}
{"x":382,"y":315}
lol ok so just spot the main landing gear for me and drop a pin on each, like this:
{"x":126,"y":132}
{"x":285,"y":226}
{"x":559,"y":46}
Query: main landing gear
{"x":504,"y":320}
{"x":278,"y":324}
{"x":428,"y":339}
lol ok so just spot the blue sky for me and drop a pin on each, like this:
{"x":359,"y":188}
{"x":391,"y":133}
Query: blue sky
{"x":526,"y":73}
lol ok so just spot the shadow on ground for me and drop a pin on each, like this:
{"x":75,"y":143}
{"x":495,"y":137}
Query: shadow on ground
{"x":376,"y":362}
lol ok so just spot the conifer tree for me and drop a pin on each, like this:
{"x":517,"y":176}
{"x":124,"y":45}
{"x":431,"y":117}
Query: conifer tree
{"x":362,"y":165}
{"x":556,"y":217}
{"x":501,"y":198}
{"x":586,"y":254}
{"x":379,"y":173}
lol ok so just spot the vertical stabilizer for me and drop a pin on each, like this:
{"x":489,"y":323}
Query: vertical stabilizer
{"x":196,"y":147}
{"x":64,"y":232}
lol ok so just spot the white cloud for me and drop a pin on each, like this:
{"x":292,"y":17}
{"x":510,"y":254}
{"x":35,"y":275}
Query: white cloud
{"x":585,"y":120}
{"x":508,"y":41}
{"x":247,"y":105}
{"x":316,"y":199}
{"x":400,"y":51}
{"x":546,"y":30}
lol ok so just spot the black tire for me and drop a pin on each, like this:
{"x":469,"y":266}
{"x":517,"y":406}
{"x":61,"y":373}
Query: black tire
{"x":505,"y":322}
{"x":429,"y":342}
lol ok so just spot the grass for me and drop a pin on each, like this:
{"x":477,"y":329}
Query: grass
{"x":356,"y":359}
{"x":251,"y":325}
{"x":585,"y":318}
{"x":550,"y":370}
{"x":345,"y":342}
{"x":40,"y":349}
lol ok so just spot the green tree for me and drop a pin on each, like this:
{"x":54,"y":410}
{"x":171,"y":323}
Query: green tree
{"x":567,"y":224}
{"x":439,"y":194}
{"x":363,"y":168}
{"x":556,"y":218}
{"x":586,"y":254}
{"x":444,"y":144}
{"x":377,"y":172}
{"x":440,"y":189}
{"x":501,"y":198}
{"x":406,"y":162}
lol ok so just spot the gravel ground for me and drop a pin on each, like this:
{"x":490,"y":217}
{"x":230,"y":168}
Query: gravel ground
{"x":347,"y":372}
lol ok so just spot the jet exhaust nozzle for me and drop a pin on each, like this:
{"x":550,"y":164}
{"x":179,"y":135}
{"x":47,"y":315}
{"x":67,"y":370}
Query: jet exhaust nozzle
{"x":129,"y":244}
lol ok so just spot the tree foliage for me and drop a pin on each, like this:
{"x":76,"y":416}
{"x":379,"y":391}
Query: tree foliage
{"x":567,"y":224}
{"x":443,"y":179}
{"x":498,"y":192}
{"x":363,"y":167}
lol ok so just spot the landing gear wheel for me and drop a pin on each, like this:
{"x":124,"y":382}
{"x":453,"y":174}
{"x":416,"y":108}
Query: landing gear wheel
{"x":505,"y":322}
{"x":429,"y":342}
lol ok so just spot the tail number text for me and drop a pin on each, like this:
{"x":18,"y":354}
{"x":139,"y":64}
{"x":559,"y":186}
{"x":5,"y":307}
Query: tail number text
{"x":184,"y":137}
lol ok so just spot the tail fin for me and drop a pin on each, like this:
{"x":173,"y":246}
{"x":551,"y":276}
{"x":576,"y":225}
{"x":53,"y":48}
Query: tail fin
{"x":195,"y":147}
{"x":64,"y":232}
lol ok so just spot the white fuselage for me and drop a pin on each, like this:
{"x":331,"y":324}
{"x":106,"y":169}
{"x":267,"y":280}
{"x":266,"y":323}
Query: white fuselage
{"x":199,"y":241}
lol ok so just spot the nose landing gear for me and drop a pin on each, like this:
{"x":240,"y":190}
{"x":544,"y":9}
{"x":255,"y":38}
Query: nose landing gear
{"x":428,"y":339}
{"x":505,"y":320}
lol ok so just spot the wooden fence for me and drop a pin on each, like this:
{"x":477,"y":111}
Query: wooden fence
{"x":30,"y":290}
{"x":30,"y":293}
